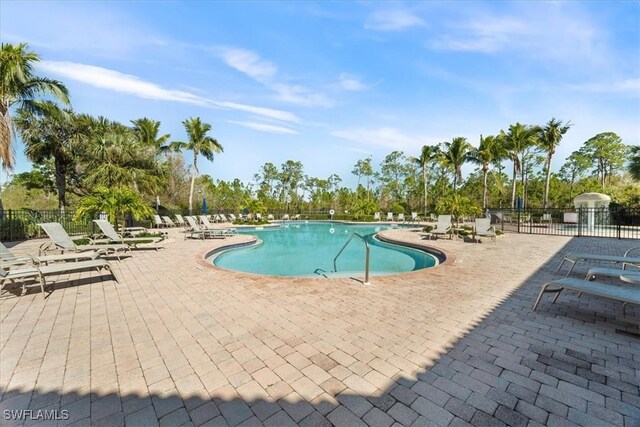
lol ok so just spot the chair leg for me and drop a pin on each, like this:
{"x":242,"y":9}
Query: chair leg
{"x":535,"y":305}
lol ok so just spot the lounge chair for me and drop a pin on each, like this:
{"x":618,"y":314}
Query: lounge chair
{"x":415,"y":217}
{"x":483,"y":228}
{"x":158,"y":221}
{"x":233,"y":218}
{"x":376,"y":216}
{"x":270,"y":217}
{"x":194,"y":229}
{"x":112,"y":236}
{"x":625,"y":260}
{"x":626,"y":295}
{"x":259,"y":216}
{"x":296,"y":217}
{"x":168,"y":222}
{"x":7,"y":258}
{"x":596,"y":272}
{"x":546,"y":218}
{"x":285,"y":217}
{"x":401,"y":217}
{"x":40,"y":272}
{"x":223,"y":218}
{"x":389,"y":216}
{"x":443,"y":227}
{"x":180,"y":221}
{"x":208,"y":226}
{"x":61,"y":240}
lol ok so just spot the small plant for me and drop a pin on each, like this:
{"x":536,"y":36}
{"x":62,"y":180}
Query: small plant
{"x":427,"y":228}
{"x":116,"y":203}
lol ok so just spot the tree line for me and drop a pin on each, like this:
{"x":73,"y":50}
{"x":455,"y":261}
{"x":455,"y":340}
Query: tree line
{"x":77,"y":156}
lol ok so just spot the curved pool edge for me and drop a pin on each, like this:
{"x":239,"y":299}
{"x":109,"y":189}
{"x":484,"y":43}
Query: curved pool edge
{"x":447,"y":260}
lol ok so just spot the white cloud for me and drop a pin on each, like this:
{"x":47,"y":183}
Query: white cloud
{"x":386,"y":137}
{"x":265,"y":127}
{"x":393,"y":20}
{"x":265,"y":72}
{"x":248,"y":63}
{"x":352,"y":83}
{"x":105,"y":78}
{"x":627,"y":86}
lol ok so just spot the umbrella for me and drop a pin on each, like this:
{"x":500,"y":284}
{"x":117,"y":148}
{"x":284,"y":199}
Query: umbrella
{"x":204,"y":206}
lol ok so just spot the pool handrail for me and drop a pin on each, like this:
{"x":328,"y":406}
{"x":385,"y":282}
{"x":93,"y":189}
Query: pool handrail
{"x":366,"y":264}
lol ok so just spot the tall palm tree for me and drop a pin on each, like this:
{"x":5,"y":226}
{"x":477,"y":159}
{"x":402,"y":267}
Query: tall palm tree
{"x":48,"y":134}
{"x":199,"y":143}
{"x":489,"y":151}
{"x":517,"y":140}
{"x":428,"y":154}
{"x":19,"y":87}
{"x":455,"y":154}
{"x":146,"y":131}
{"x":550,"y":136}
{"x":634,"y":164}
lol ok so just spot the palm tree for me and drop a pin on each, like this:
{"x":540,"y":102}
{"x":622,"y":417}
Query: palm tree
{"x":19,"y":87}
{"x":490,"y":150}
{"x":147,"y":130}
{"x":634,"y":164}
{"x":455,"y":154}
{"x":516,"y":141}
{"x":550,"y":136}
{"x":200,"y":143}
{"x":48,"y":134}
{"x":428,"y":154}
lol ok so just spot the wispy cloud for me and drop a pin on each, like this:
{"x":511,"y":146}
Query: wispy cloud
{"x":353,"y":83}
{"x":266,"y":73}
{"x":393,"y":20}
{"x":626,"y":86}
{"x":265,"y":127}
{"x":105,"y":78}
{"x":248,"y":63}
{"x":385,"y":137}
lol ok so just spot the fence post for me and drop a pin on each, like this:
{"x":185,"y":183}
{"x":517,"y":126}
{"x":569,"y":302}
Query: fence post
{"x":580,"y":221}
{"x":619,"y":223}
{"x":518,"y":221}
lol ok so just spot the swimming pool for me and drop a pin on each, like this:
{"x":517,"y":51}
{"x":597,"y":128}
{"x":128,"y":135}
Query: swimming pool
{"x":308,"y":249}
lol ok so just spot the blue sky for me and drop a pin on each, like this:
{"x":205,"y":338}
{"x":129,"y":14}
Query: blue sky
{"x":328,"y":83}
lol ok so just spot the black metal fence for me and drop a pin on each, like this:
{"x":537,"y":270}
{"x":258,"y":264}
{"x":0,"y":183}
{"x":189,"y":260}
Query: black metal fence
{"x":20,"y":224}
{"x":615,"y":221}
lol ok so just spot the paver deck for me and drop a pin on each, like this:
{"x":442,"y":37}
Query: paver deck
{"x":177,"y":342}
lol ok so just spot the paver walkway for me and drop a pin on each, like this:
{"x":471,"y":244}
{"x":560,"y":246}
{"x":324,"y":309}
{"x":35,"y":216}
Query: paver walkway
{"x":180,"y":343}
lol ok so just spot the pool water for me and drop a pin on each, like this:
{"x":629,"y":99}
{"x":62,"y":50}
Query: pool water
{"x":308,"y":249}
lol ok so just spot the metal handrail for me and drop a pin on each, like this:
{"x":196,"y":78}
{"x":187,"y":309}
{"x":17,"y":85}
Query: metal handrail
{"x":366,"y":265}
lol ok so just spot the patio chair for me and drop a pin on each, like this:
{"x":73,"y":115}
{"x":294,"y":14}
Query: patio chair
{"x":233,"y":218}
{"x":158,"y":221}
{"x":625,"y":260}
{"x":415,"y":217}
{"x":208,"y":226}
{"x":483,"y":228}
{"x":168,"y":222}
{"x":376,"y":216}
{"x":401,"y":217}
{"x":270,"y":217}
{"x":443,"y":227}
{"x":194,"y":229}
{"x":259,"y":216}
{"x":39,"y":273}
{"x":285,"y":217}
{"x":112,"y":236}
{"x":546,"y":218}
{"x":61,"y":240}
{"x":180,"y":221}
{"x":626,"y":295}
{"x":223,"y":218}
{"x":296,"y":217}
{"x":389,"y":216}
{"x":596,"y":272}
{"x":7,"y":258}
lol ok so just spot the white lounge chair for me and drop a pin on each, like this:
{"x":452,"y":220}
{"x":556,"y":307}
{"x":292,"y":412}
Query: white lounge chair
{"x":112,"y":236}
{"x":270,"y":217}
{"x":626,"y":295}
{"x":415,"y":217}
{"x":401,"y":217}
{"x":389,"y":216}
{"x":223,"y":218}
{"x":168,"y":222}
{"x":296,"y":217}
{"x":285,"y":217}
{"x":7,"y":258}
{"x":196,"y":230}
{"x":61,"y":240}
{"x":443,"y":227}
{"x":259,"y":216}
{"x":483,"y":228}
{"x":180,"y":221}
{"x":158,"y":221}
{"x":376,"y":216}
{"x":233,"y":218}
{"x":208,"y":226}
{"x":625,"y":260}
{"x":40,"y":272}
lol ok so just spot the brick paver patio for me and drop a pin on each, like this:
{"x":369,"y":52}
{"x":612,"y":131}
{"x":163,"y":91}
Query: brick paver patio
{"x":178,"y":342}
